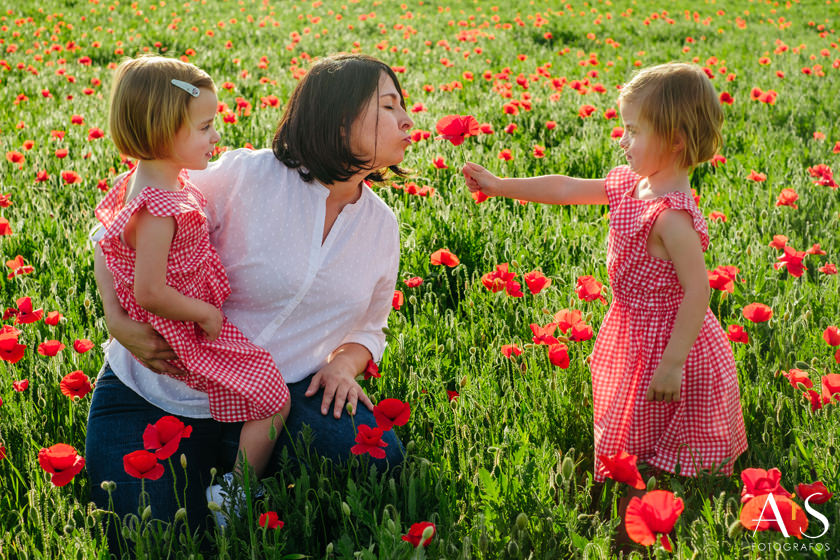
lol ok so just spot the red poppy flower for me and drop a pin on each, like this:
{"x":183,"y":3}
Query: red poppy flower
{"x":2,"y":449}
{"x":506,"y":155}
{"x":566,"y":319}
{"x":496,"y":280}
{"x":823,"y":174}
{"x":586,"y":110}
{"x":558,"y":355}
{"x":760,"y":515}
{"x":391,"y":412}
{"x":71,"y":177}
{"x":452,"y":395}
{"x":828,"y":268}
{"x":830,"y":386}
{"x":779,"y":242}
{"x":271,"y":520}
{"x":413,"y":282}
{"x":655,"y":513}
{"x":815,"y":493}
{"x":10,"y":350}
{"x":726,"y":97}
{"x":756,"y":176}
{"x":621,"y":467}
{"x":792,"y":261}
{"x":832,"y":335}
{"x":797,"y":377}
{"x":544,"y":335}
{"x":75,"y":384}
{"x":439,"y":163}
{"x":760,"y":481}
{"x":41,"y":176}
{"x":371,"y":370}
{"x":50,"y":348}
{"x":95,"y":133}
{"x":536,"y":281}
{"x":539,"y":151}
{"x":817,"y":400}
{"x":815,"y":250}
{"x":736,"y":333}
{"x":142,"y":464}
{"x":444,"y":257}
{"x":479,"y":197}
{"x":610,"y":113}
{"x":723,"y":278}
{"x":581,"y":332}
{"x":716,"y":216}
{"x":18,"y":266}
{"x":5,"y":227}
{"x":617,"y":132}
{"x":456,"y":128}
{"x":398,"y":300}
{"x":82,"y":345}
{"x":717,"y":159}
{"x":509,"y":350}
{"x":416,"y":532}
{"x":369,"y":440}
{"x":589,"y":289}
{"x":787,"y":197}
{"x":21,"y":385}
{"x":757,"y":312}
{"x":62,"y":462}
{"x":52,"y":318}
{"x":165,"y":436}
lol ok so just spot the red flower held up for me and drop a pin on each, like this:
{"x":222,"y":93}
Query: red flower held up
{"x":75,"y":384}
{"x":142,"y":464}
{"x":391,"y":412}
{"x":369,"y":440}
{"x":655,"y":513}
{"x":415,"y":534}
{"x":62,"y":462}
{"x":456,"y":128}
{"x":621,"y":467}
{"x":165,"y":436}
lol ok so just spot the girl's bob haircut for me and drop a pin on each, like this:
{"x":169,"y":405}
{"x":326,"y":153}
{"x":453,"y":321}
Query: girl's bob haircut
{"x":679,"y":102}
{"x":313,"y":135}
{"x":147,"y":109}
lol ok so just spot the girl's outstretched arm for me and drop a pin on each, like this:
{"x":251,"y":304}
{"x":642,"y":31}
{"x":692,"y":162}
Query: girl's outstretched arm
{"x":153,"y":236}
{"x":548,"y":189}
{"x":676,"y":231}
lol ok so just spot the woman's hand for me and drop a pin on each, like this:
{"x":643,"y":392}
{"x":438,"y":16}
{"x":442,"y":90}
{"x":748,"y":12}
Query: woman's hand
{"x":212,"y":323}
{"x":479,"y":179}
{"x":338,"y":378}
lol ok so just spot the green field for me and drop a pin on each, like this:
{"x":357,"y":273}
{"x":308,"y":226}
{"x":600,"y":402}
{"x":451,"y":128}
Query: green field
{"x":505,"y":469}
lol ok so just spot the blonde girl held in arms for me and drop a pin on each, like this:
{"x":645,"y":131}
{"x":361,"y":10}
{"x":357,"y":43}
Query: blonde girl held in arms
{"x":664,"y":382}
{"x":156,"y":245}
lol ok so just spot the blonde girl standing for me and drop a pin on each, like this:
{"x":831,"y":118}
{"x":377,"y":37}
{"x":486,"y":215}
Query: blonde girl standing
{"x":664,"y":382}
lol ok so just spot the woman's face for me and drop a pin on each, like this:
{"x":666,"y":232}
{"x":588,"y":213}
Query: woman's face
{"x":380,"y":132}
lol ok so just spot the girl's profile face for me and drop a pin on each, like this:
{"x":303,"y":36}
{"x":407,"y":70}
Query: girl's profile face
{"x":193,"y":144}
{"x":380,"y":132}
{"x":645,"y":152}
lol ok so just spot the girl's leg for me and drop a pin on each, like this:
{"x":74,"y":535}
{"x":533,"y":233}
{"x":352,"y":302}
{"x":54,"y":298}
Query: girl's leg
{"x":331,"y":438}
{"x":116,"y":421}
{"x":255,"y":443}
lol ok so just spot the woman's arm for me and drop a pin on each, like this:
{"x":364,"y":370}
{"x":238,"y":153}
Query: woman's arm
{"x":153,"y":238}
{"x":338,"y":378}
{"x":676,"y":230}
{"x":548,"y":189}
{"x":138,"y":338}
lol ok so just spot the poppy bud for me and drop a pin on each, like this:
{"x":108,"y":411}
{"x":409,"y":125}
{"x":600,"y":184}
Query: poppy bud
{"x":329,"y":549}
{"x":147,"y":513}
{"x":86,"y":303}
{"x":181,"y":514}
{"x":483,"y":541}
{"x":787,"y":316}
{"x":794,"y":463}
{"x":521,"y":521}
{"x":213,"y":471}
{"x":463,"y":381}
{"x":183,"y":461}
{"x":105,"y":485}
{"x":651,"y":483}
{"x":513,"y":548}
{"x":567,"y":468}
{"x":428,"y":533}
{"x":345,"y":508}
{"x":749,"y":250}
{"x":391,"y":526}
{"x":735,"y":529}
{"x":806,"y":315}
{"x":214,"y":507}
{"x":349,"y":408}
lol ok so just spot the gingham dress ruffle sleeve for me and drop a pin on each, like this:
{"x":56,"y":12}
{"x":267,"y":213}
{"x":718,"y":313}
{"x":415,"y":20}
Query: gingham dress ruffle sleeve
{"x":706,"y":428}
{"x":240,"y":378}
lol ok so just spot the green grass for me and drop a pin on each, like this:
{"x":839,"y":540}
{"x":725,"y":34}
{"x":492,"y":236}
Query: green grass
{"x":485,"y":468}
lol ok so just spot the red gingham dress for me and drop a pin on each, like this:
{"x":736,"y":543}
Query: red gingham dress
{"x":706,"y":426}
{"x":240,"y":378}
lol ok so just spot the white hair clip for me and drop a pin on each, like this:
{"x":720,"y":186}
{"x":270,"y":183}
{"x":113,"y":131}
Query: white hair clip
{"x":189,"y":88}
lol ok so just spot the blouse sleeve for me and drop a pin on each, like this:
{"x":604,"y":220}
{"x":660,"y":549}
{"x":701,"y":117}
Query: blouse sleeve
{"x":368,"y":330}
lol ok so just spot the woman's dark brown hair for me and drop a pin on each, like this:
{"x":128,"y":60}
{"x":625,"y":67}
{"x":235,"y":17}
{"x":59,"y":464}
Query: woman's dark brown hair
{"x":314,"y":133}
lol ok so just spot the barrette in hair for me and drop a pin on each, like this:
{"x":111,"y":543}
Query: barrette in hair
{"x":188,"y":87}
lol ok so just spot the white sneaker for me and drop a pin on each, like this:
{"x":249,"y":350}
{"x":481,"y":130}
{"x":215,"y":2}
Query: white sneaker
{"x":229,"y":504}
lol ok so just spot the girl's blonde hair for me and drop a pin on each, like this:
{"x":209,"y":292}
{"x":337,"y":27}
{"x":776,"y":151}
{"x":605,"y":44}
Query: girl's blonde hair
{"x":674,"y":99}
{"x":147,"y":109}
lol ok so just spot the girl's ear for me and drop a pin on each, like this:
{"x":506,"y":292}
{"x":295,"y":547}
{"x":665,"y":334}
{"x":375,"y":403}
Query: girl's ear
{"x":679,"y":142}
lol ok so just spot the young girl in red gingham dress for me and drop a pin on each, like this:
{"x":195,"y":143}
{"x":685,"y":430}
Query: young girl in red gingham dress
{"x":157,"y":246}
{"x":664,"y":383}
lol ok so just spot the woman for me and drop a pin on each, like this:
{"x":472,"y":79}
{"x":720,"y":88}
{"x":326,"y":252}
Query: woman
{"x":312,"y":256}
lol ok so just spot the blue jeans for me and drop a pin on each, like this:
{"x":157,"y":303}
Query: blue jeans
{"x":115,"y":427}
